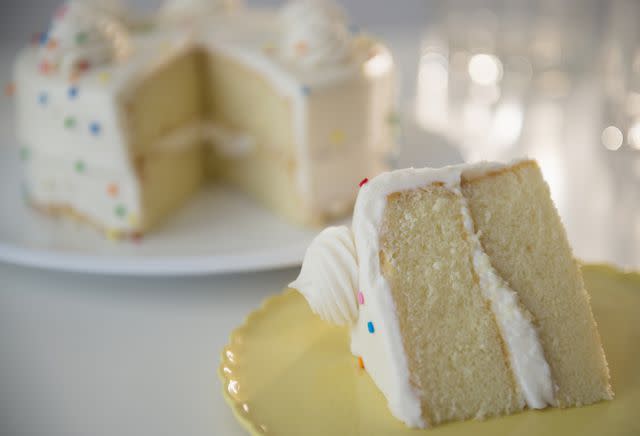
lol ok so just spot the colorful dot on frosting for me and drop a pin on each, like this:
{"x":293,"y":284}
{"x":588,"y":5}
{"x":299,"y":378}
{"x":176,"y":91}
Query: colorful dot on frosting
{"x":52,"y":44}
{"x":120,"y":211}
{"x":114,"y":235}
{"x":25,"y":153}
{"x":45,"y":67}
{"x":370,"y":327}
{"x":83,"y":65}
{"x":360,"y":298}
{"x":80,"y":166}
{"x":43,"y":37}
{"x":43,"y":98}
{"x":360,"y":362}
{"x":301,"y":48}
{"x":104,"y":77}
{"x":69,"y":122}
{"x":136,"y":237}
{"x":113,"y":189}
{"x":95,"y":128}
{"x":72,"y":92}
{"x":81,"y":38}
{"x":62,"y":11}
{"x":306,"y":90}
{"x":10,"y":89}
{"x":363,"y":182}
{"x":133,"y":219}
{"x":337,"y":137}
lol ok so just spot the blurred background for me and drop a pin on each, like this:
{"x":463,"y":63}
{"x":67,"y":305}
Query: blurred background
{"x":556,"y":80}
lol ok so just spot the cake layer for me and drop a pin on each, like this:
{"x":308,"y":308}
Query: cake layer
{"x":521,"y":232}
{"x":458,"y":364}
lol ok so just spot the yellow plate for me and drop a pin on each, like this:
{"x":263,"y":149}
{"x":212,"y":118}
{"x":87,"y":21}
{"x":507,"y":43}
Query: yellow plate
{"x":285,"y":372}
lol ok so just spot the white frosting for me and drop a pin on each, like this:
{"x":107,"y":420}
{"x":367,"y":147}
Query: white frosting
{"x":526,"y":355}
{"x":383,"y":352}
{"x":315,"y":34}
{"x":83,"y":34}
{"x":195,"y":10}
{"x":329,"y":276}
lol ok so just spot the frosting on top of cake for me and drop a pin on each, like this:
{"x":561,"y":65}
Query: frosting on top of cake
{"x":82,"y":35}
{"x":376,"y":334}
{"x":315,"y":34}
{"x":190,"y":10}
{"x":329,"y":276}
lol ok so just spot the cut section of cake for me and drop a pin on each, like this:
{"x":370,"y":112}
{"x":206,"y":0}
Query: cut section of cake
{"x":468,"y":302}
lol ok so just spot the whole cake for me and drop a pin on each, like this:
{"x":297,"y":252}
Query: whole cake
{"x":462,"y":294}
{"x":122,"y":119}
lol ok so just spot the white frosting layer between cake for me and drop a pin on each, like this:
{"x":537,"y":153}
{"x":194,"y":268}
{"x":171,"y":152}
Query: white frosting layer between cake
{"x":376,"y":335}
{"x":329,"y":276}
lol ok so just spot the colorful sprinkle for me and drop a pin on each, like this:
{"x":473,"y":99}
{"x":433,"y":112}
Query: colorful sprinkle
{"x":306,"y":90}
{"x":360,"y":298}
{"x":43,"y":38}
{"x":136,"y":237}
{"x":43,"y":98}
{"x":10,"y":89}
{"x":114,"y":235}
{"x":83,"y":65}
{"x":337,"y":137}
{"x":370,"y":327}
{"x":52,"y":44}
{"x":25,"y":153}
{"x":133,"y":219}
{"x":363,"y":182}
{"x":36,"y":38}
{"x":360,"y":362}
{"x":104,"y":77}
{"x":81,"y":38}
{"x":121,"y":211}
{"x":113,"y":190}
{"x":69,"y":122}
{"x":45,"y":67}
{"x":72,"y":92}
{"x":95,"y":128}
{"x":62,"y":11}
{"x":301,"y":48}
{"x":80,"y":166}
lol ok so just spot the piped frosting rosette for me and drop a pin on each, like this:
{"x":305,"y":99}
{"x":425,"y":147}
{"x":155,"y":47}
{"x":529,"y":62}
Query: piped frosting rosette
{"x":329,"y":276}
{"x":82,"y":35}
{"x":315,"y":34}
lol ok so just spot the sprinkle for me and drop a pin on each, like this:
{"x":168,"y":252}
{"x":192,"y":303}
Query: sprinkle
{"x":43,"y":38}
{"x":81,"y":38}
{"x":337,"y":137}
{"x":136,"y":237}
{"x":95,"y":128}
{"x":25,"y":153}
{"x":83,"y":65}
{"x":80,"y":166}
{"x":301,"y":48}
{"x":360,"y":298}
{"x":113,"y":190}
{"x":62,"y":11}
{"x":45,"y":67}
{"x":43,"y":98}
{"x":360,"y":362}
{"x":36,"y":38}
{"x":120,"y":211}
{"x":10,"y":89}
{"x":306,"y":90}
{"x":104,"y":77}
{"x":69,"y":122}
{"x":52,"y":44}
{"x":133,"y":219}
{"x":370,"y":327}
{"x":73,"y":92}
{"x":114,"y":235}
{"x":363,"y":182}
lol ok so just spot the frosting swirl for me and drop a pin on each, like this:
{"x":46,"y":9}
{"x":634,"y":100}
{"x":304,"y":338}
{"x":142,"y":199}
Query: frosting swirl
{"x":315,"y":34}
{"x":329,"y":276}
{"x":192,"y":10}
{"x":81,"y":36}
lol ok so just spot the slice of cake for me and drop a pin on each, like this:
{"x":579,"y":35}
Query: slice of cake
{"x":462,"y":294}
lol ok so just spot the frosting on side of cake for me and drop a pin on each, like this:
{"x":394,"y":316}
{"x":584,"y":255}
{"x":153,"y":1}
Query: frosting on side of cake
{"x":91,"y":109}
{"x":329,"y":276}
{"x":376,"y":336}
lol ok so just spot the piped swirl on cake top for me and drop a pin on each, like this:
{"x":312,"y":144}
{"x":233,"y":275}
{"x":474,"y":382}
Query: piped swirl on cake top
{"x":377,"y":337}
